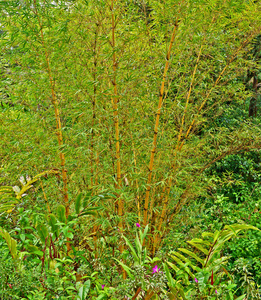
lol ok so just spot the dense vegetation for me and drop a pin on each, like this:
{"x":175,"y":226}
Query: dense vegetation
{"x":130,"y":149}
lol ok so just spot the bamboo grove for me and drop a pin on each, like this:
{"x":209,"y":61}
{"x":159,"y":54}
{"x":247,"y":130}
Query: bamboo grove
{"x":121,"y":98}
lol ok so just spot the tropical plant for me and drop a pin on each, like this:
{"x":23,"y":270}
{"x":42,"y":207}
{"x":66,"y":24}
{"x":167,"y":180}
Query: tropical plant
{"x":203,"y":279}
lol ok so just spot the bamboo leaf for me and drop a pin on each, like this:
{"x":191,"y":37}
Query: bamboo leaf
{"x":90,"y":211}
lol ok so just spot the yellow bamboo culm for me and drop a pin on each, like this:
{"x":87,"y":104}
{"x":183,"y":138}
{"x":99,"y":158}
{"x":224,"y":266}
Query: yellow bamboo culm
{"x":136,"y":181}
{"x":169,"y":181}
{"x":115,"y":109}
{"x":57,"y":118}
{"x":146,"y":204}
{"x":94,"y":179}
{"x":248,"y":39}
{"x":181,"y":143}
{"x":116,"y":126}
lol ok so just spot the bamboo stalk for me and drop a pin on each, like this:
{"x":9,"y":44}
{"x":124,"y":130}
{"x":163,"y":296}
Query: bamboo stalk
{"x":95,"y":62}
{"x":179,"y":138}
{"x":136,"y":181}
{"x":115,"y":105}
{"x":57,"y":118}
{"x":116,"y":125}
{"x":146,"y":204}
{"x":149,"y":294}
{"x":180,"y":145}
{"x":136,"y":294}
{"x":215,"y":84}
{"x":93,"y":180}
{"x":57,"y":114}
{"x":186,"y":193}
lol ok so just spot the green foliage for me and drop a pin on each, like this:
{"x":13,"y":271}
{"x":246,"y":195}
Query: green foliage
{"x":16,"y":284}
{"x":11,"y":196}
{"x":205,"y":278}
{"x":80,"y":85}
{"x":10,"y":242}
{"x":235,"y":186}
{"x":61,"y":214}
{"x":84,"y":290}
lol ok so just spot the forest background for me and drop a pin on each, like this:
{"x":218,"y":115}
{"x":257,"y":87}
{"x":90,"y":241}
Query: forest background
{"x":128,"y":130}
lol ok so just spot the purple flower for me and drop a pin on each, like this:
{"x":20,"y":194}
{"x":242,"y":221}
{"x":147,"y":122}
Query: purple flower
{"x":196,"y":280}
{"x":216,"y":291}
{"x":155,"y":269}
{"x":138,"y":224}
{"x":103,"y":285}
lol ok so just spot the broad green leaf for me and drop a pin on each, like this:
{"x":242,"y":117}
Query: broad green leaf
{"x":182,"y":261}
{"x":132,"y":249}
{"x":102,"y":296}
{"x":200,"y":241}
{"x":178,"y":291}
{"x":169,"y":277}
{"x":6,"y":189}
{"x":144,"y":255}
{"x":84,"y":290}
{"x":144,"y":233}
{"x":238,"y":227}
{"x":198,"y":246}
{"x":32,"y":249}
{"x":216,"y":236}
{"x":42,"y":232}
{"x":192,"y":254}
{"x":174,"y":267}
{"x":241,"y":297}
{"x":11,"y":243}
{"x":206,"y":234}
{"x":61,"y":213}
{"x":217,"y":263}
{"x":78,"y":201}
{"x":138,"y":245}
{"x":53,"y":224}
